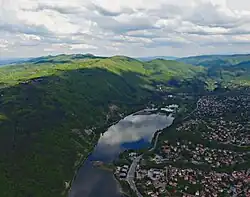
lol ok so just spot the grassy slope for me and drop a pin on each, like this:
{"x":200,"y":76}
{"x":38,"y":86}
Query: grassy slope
{"x":229,"y":70}
{"x":216,"y":60}
{"x":174,"y":69}
{"x":46,"y":107}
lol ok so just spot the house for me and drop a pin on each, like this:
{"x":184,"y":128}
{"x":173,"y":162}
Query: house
{"x":123,"y":175}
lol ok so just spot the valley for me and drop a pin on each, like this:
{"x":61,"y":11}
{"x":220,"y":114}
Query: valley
{"x":204,"y":154}
{"x":54,"y":109}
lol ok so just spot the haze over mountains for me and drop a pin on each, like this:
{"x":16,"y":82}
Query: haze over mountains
{"x":213,"y":60}
{"x":204,"y":60}
{"x":20,"y":60}
{"x":12,"y":60}
{"x":157,"y":57}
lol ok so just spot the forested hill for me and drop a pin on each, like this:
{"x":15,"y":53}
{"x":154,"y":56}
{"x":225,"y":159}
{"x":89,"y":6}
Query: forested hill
{"x":216,"y":60}
{"x":50,"y":105}
{"x":228,"y":70}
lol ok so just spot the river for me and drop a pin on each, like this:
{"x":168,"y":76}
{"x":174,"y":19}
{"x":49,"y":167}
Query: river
{"x":133,"y":132}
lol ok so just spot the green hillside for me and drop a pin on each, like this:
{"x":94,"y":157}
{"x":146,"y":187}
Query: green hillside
{"x":49,"y":104}
{"x":238,"y":74}
{"x":216,"y":60}
{"x":227,"y":70}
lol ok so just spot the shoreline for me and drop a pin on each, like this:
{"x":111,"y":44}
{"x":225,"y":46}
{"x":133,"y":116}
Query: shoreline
{"x":83,"y":160}
{"x":119,"y":186}
{"x":103,"y":166}
{"x":121,"y":190}
{"x":142,"y":109}
{"x":159,"y":132}
{"x":153,"y":143}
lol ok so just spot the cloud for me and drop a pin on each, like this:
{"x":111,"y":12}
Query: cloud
{"x":82,"y":46}
{"x":131,"y":27}
{"x":3,"y":43}
{"x":25,"y":29}
{"x":106,"y":12}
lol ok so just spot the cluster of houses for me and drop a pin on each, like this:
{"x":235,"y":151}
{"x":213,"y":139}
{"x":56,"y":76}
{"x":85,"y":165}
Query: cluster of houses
{"x":188,"y":124}
{"x":122,"y":171}
{"x":189,"y":167}
{"x":173,"y":181}
{"x":187,"y":151}
{"x":210,"y":106}
{"x":227,"y":132}
{"x":225,"y":120}
{"x":235,"y":107}
{"x":170,"y":108}
{"x":204,"y":164}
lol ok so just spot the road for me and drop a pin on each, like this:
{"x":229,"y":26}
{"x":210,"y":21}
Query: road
{"x":155,"y":141}
{"x":158,"y":133}
{"x":131,"y":175}
{"x":197,"y":106}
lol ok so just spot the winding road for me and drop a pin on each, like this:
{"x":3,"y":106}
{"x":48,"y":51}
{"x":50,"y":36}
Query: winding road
{"x":197,"y":106}
{"x":131,"y":175}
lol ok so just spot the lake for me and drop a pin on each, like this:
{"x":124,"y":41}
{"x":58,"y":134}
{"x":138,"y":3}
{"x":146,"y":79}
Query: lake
{"x":133,"y":132}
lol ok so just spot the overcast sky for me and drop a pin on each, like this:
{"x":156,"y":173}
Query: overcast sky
{"x":124,"y":27}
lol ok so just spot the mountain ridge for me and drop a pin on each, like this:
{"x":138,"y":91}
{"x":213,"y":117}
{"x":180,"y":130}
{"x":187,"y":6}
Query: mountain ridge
{"x":213,"y":60}
{"x":48,"y":103}
{"x":46,"y":107}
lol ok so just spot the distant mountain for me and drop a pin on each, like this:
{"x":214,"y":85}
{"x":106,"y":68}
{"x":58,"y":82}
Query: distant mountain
{"x":12,"y":61}
{"x":156,"y":57}
{"x":216,"y":60}
{"x":226,"y":69}
{"x":62,"y":58}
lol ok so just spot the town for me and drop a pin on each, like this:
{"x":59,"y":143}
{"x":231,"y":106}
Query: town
{"x":206,"y":154}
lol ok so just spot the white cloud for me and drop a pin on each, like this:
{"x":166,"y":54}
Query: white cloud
{"x":131,"y":27}
{"x":82,"y":46}
{"x":3,"y":43}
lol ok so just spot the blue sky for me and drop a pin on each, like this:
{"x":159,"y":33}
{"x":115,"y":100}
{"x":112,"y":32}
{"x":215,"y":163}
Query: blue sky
{"x":126,"y":27}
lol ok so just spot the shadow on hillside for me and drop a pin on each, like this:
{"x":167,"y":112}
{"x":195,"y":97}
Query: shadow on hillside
{"x":36,"y":140}
{"x":37,"y":149}
{"x":75,"y":98}
{"x":80,"y":96}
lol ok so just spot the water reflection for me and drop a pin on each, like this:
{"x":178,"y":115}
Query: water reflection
{"x":133,"y":128}
{"x":132,"y":132}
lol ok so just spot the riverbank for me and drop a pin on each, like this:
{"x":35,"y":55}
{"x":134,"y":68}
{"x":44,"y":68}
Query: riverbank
{"x":131,"y":172}
{"x":124,"y":188}
{"x":178,"y":116}
{"x":83,"y":159}
{"x":104,"y":166}
{"x":81,"y":162}
{"x":133,"y":132}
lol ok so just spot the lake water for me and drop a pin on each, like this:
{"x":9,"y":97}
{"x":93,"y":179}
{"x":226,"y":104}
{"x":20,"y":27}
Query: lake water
{"x":133,"y":132}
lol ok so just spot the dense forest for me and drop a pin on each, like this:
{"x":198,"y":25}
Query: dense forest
{"x":54,"y":108}
{"x":49,"y":105}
